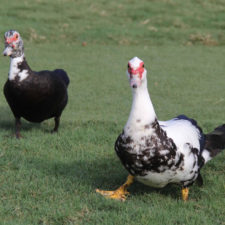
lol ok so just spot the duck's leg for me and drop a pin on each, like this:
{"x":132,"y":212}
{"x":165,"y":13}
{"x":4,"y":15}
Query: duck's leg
{"x":185,"y":192}
{"x":121,"y":192}
{"x":18,"y":126}
{"x":57,"y":120}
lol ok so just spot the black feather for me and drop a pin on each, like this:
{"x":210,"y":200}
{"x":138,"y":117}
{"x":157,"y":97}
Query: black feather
{"x":40,"y":96}
{"x":62,"y":75}
{"x":215,"y":141}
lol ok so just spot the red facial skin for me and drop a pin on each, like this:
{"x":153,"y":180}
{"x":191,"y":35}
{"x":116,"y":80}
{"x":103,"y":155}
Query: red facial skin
{"x":10,"y":40}
{"x":139,"y":71}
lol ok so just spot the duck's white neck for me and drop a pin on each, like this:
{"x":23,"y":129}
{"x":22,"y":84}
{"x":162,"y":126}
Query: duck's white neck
{"x":14,"y":69}
{"x":142,"y":111}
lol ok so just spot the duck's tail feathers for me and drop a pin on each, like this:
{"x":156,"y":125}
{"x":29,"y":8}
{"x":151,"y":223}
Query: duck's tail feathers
{"x":63,"y":75}
{"x":214,"y":143}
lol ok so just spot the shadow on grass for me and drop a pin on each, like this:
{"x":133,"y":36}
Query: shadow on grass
{"x":7,"y":122}
{"x":6,"y":118}
{"x":98,"y":173}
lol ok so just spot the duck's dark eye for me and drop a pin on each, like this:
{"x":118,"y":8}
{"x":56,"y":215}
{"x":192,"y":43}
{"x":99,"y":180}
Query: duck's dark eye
{"x":143,"y":65}
{"x":128,"y":66}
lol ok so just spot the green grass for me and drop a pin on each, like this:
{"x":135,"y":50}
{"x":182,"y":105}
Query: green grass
{"x":51,"y":179}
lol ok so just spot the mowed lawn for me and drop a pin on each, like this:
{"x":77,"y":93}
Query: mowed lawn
{"x":51,"y":178}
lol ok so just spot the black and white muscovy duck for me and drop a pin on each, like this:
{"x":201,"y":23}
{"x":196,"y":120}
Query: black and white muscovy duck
{"x":157,"y":153}
{"x":35,"y":96}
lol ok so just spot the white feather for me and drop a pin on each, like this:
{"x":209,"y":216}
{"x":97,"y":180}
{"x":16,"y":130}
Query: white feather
{"x":15,"y":71}
{"x":206,"y":155}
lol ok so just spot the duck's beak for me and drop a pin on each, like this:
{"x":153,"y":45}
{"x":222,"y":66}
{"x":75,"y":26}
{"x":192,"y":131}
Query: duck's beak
{"x":7,"y":51}
{"x":135,"y":81}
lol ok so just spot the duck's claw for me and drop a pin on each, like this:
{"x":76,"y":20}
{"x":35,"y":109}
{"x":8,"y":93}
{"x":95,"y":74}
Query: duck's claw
{"x":118,"y":194}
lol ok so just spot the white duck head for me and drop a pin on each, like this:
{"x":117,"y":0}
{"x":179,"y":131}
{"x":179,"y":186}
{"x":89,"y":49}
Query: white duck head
{"x":137,"y":73}
{"x":13,"y":44}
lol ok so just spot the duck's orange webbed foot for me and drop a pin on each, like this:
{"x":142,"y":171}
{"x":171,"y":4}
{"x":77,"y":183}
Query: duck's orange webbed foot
{"x":185,"y":192}
{"x":120,"y":193}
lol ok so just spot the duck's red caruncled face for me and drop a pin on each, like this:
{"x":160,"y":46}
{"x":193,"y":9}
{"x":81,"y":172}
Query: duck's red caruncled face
{"x":138,"y":71}
{"x":11,"y":39}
